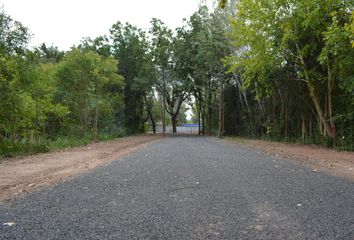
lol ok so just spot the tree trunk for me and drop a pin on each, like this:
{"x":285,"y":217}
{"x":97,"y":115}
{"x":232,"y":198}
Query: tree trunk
{"x":198,"y":114}
{"x":202,"y":111}
{"x":152,"y":122}
{"x":323,"y":122}
{"x":303,"y":129}
{"x":281,"y":115}
{"x":331,"y":133}
{"x":286,"y":114}
{"x":330,"y":84}
{"x":164,"y":103}
{"x":174,"y":123}
{"x":244,"y":95}
{"x":36,"y":133}
{"x":221,"y":112}
{"x":83,"y":122}
{"x":310,"y":127}
{"x":207,"y":112}
{"x":209,"y":115}
{"x":260,"y":104}
{"x":95,"y":125}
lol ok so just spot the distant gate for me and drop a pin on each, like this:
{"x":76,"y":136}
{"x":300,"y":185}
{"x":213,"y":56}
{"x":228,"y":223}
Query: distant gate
{"x":185,"y":128}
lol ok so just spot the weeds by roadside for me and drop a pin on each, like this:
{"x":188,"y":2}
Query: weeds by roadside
{"x":42,"y":145}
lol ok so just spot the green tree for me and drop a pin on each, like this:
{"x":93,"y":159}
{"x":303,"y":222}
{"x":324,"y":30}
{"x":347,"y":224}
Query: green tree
{"x":38,"y":87}
{"x":294,"y":43}
{"x":83,"y":79}
{"x":99,"y":45}
{"x":205,"y":47}
{"x":49,"y":54}
{"x":13,"y":35}
{"x":131,"y":49}
{"x":161,"y":45}
{"x":11,"y":103}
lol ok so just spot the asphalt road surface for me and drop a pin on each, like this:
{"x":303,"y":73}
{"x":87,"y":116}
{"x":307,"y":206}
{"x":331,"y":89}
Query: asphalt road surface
{"x":188,"y":188}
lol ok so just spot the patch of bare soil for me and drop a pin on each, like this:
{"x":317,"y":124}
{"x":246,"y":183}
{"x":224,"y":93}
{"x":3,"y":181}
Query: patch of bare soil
{"x":333,"y":162}
{"x":23,"y":175}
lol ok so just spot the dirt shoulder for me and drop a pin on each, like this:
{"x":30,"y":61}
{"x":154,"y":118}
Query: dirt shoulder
{"x":19,"y":176}
{"x":333,"y":162}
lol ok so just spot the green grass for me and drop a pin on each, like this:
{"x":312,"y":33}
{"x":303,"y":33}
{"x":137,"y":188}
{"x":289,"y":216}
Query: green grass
{"x":24,"y":147}
{"x":65,"y":142}
{"x":239,"y":140}
{"x":70,"y":141}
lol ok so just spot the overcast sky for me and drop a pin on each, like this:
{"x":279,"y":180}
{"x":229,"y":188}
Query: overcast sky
{"x":64,"y":23}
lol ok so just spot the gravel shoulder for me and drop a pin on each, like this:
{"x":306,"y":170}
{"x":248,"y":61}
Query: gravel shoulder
{"x":19,"y":176}
{"x":330,"y":161}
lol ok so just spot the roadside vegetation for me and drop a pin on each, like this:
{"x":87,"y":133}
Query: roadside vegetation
{"x":280,"y":70}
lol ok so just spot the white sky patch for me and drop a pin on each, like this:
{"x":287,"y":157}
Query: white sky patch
{"x":64,"y":23}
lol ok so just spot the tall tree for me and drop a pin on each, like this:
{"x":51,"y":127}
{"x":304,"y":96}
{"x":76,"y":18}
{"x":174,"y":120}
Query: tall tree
{"x":208,"y":46}
{"x":161,"y":44}
{"x":131,"y":49}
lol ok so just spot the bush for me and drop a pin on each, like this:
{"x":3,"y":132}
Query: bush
{"x":15,"y":148}
{"x":12,"y":148}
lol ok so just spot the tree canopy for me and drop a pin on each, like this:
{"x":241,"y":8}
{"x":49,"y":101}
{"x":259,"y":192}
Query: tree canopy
{"x":273,"y":69}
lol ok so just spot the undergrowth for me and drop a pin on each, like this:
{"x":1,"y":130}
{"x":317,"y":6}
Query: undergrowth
{"x":11,"y":148}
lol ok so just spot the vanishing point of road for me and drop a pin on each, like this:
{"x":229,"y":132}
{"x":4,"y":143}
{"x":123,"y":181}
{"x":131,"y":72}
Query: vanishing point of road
{"x":188,"y":188}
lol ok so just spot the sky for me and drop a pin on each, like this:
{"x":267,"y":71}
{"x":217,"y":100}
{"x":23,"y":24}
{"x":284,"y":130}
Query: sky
{"x":63,"y":23}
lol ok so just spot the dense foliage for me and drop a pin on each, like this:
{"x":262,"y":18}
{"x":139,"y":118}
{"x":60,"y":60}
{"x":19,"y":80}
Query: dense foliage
{"x":276,"y":69}
{"x":295,"y":58}
{"x":47,"y":96}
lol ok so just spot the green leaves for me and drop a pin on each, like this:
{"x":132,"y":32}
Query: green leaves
{"x":350,"y":28}
{"x":222,"y":3}
{"x":306,"y":41}
{"x":161,"y":42}
{"x":13,"y":35}
{"x":84,"y":78}
{"x":132,"y":50}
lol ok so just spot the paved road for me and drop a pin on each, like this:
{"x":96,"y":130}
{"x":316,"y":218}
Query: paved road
{"x":188,"y":188}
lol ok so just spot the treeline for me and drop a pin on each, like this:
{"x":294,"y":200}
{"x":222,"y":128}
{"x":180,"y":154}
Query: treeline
{"x":280,"y":70}
{"x":293,"y":65}
{"x":51,"y":99}
{"x":102,"y":88}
